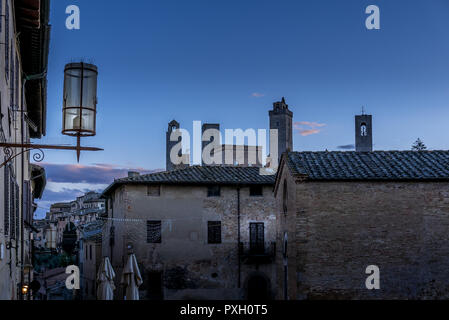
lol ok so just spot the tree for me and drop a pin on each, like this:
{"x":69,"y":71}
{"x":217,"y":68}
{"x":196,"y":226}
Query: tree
{"x":419,"y":145}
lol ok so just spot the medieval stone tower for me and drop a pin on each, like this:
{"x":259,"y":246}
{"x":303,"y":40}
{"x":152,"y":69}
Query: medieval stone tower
{"x":207,"y":126}
{"x":363,"y":133}
{"x":281,"y":119}
{"x":172,"y":126}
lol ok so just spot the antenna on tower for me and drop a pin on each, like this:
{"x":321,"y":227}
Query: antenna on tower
{"x":363,"y":110}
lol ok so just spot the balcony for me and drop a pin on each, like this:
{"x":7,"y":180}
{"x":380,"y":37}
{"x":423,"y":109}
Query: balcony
{"x":257,"y":253}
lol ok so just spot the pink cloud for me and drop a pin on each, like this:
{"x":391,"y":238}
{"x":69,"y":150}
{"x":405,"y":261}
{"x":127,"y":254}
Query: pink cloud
{"x":257,"y":95}
{"x":95,"y":174}
{"x":307,"y":128}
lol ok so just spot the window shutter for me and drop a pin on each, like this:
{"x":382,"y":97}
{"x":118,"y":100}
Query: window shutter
{"x":6,"y":195}
{"x":12,"y":207}
{"x":17,"y":210}
{"x":27,"y":205}
{"x":7,"y":39}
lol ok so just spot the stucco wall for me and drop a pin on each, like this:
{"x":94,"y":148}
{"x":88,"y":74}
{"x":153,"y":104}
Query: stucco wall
{"x":9,"y":273}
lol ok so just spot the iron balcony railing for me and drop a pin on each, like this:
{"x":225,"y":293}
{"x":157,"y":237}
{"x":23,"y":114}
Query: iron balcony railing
{"x":257,"y":252}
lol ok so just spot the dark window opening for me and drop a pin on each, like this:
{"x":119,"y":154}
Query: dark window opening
{"x":154,"y":191}
{"x":363,"y":130}
{"x":256,"y":191}
{"x":213,"y":191}
{"x":154,"y":231}
{"x":256,"y":237}
{"x":90,"y":252}
{"x":214,"y":232}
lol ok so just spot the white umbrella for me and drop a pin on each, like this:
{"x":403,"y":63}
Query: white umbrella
{"x":105,"y":280}
{"x":131,"y":278}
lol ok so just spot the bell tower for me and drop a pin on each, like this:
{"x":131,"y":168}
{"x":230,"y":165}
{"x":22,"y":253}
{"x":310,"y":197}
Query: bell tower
{"x":281,"y":119}
{"x":363,"y":133}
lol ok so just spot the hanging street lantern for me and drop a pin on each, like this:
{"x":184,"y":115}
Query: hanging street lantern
{"x":80,"y":101}
{"x":79,"y":112}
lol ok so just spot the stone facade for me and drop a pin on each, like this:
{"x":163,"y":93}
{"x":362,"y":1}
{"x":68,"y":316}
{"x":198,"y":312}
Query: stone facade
{"x":90,"y":255}
{"x":336,"y":229}
{"x":184,"y":263}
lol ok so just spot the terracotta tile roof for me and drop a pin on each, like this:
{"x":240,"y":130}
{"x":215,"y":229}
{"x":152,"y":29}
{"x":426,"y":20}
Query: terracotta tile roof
{"x":203,"y":175}
{"x":376,"y":165}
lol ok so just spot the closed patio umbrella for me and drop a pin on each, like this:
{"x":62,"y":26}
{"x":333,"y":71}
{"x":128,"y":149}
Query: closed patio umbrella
{"x":105,"y":280}
{"x":131,"y":278}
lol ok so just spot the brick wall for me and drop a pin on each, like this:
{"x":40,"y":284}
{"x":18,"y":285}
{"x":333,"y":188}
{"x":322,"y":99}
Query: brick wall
{"x":342,"y":227}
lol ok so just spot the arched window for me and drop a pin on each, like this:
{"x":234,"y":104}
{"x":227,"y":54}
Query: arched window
{"x":363,"y":130}
{"x":285,"y":197}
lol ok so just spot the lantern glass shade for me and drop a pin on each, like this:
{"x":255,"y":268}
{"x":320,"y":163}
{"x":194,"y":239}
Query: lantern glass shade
{"x":80,"y":99}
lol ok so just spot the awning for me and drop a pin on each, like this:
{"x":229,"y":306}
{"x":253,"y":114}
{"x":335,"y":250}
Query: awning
{"x":32,"y":18}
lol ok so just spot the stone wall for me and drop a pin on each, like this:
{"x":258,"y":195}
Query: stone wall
{"x":342,"y":227}
{"x":190,"y":267}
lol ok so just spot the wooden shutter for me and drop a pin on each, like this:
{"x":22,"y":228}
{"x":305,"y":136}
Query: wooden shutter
{"x":7,"y":198}
{"x":7,"y":39}
{"x":17,"y":208}
{"x":27,"y":203}
{"x":12,"y":207}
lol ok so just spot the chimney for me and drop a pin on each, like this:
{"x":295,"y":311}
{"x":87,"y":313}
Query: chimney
{"x":133,"y":174}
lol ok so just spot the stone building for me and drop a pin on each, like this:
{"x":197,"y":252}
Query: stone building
{"x":89,"y":258}
{"x":198,"y":232}
{"x":84,"y":210}
{"x":24,"y":35}
{"x":341,"y":212}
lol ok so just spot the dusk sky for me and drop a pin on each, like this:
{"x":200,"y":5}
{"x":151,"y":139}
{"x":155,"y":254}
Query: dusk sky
{"x":227,"y":61}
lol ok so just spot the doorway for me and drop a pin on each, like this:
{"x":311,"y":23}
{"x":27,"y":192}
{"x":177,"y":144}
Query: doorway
{"x":258,"y":288}
{"x":155,"y":291}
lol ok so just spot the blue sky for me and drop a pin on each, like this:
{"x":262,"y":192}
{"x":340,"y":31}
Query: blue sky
{"x":227,"y":61}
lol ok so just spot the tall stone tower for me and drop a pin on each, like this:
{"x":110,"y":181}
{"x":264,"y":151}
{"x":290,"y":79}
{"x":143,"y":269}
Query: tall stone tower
{"x":172,"y":126}
{"x":363,"y":133}
{"x":281,"y":119}
{"x":207,"y":126}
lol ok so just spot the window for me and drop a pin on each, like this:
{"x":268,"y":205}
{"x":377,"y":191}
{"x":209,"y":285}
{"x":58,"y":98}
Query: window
{"x":363,"y":131}
{"x":213,"y":191}
{"x":154,"y":231}
{"x":214,"y":232}
{"x":90,"y":252}
{"x":256,"y":191}
{"x":154,"y":191}
{"x":86,"y":250}
{"x":256,"y":237}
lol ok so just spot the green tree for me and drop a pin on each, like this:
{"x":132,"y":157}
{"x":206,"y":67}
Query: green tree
{"x":419,"y":145}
